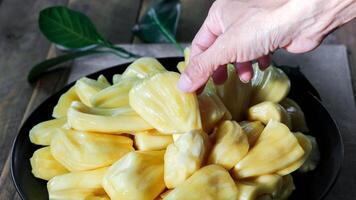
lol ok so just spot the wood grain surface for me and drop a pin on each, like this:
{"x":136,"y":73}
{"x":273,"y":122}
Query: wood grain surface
{"x":22,"y":45}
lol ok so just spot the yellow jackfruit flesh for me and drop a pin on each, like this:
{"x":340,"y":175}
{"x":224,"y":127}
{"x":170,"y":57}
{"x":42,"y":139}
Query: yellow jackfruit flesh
{"x":82,"y":185}
{"x":86,"y":88}
{"x":286,"y":189}
{"x":152,"y":140}
{"x":42,"y":133}
{"x":64,"y":102}
{"x":209,"y":182}
{"x":166,"y":108}
{"x":296,"y":115}
{"x":212,"y":110}
{"x":231,"y":145}
{"x":137,"y":176}
{"x":79,"y":151}
{"x":102,"y":79}
{"x":116,"y":78}
{"x":114,"y":96}
{"x":44,"y":166}
{"x":253,"y":130}
{"x":271,"y":84}
{"x":235,"y":94}
{"x":184,"y":157}
{"x":143,"y":68}
{"x":312,"y":161}
{"x":268,"y":110}
{"x":253,"y":188}
{"x":123,"y":120}
{"x":181,"y":66}
{"x":275,"y":149}
{"x":306,"y":144}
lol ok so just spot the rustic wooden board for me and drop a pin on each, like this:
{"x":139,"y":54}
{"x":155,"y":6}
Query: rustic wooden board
{"x":21,"y":46}
{"x":15,"y":93}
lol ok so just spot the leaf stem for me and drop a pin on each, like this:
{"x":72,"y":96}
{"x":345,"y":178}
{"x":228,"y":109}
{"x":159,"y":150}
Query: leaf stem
{"x":165,"y":32}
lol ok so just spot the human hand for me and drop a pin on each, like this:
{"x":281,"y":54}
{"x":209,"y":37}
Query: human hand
{"x":239,"y":31}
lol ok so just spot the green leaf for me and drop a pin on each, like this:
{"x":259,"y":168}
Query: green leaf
{"x":68,"y":28}
{"x":159,"y":23}
{"x":42,"y":67}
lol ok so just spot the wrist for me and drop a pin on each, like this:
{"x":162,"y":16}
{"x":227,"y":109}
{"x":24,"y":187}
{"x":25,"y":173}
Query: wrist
{"x":313,"y":19}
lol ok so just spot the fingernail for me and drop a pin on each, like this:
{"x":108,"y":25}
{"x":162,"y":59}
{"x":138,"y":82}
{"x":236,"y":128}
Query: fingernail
{"x":245,"y":78}
{"x":184,"y":83}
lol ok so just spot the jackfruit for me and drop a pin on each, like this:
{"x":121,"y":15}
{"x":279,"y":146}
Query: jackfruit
{"x":137,"y":176}
{"x":143,"y":68}
{"x":296,"y":115}
{"x":64,"y":102}
{"x":152,"y":140}
{"x":268,"y":110}
{"x":79,"y":151}
{"x":120,"y":120}
{"x":209,"y":182}
{"x":44,"y":166}
{"x":253,"y":130}
{"x":42,"y":133}
{"x":86,"y":88}
{"x":276,"y":149}
{"x":271,"y":84}
{"x":313,"y":159}
{"x":184,"y":157}
{"x":82,"y":185}
{"x":231,"y":145}
{"x":166,"y":108}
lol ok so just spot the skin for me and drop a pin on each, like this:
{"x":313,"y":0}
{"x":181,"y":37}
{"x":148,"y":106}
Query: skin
{"x":240,"y":31}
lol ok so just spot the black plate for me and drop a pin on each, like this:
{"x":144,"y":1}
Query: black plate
{"x":312,"y":185}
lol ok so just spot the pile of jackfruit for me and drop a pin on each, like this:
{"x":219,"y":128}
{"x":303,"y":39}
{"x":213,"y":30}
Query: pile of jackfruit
{"x":140,"y":138}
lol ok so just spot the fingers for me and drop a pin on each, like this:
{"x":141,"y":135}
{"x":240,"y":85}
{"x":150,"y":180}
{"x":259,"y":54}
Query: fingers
{"x":264,"y":62}
{"x":206,"y":35}
{"x":244,"y":71}
{"x":202,"y":66}
{"x":220,"y":75}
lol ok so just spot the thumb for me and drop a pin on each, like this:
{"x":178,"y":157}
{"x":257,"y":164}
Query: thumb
{"x":201,"y":67}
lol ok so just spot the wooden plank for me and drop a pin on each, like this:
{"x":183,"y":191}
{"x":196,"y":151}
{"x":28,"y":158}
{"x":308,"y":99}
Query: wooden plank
{"x":53,"y":81}
{"x":21,"y":46}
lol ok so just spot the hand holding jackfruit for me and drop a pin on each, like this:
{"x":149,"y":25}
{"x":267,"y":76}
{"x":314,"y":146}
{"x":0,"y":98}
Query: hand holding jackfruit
{"x":143,"y":68}
{"x":42,"y":133}
{"x":275,"y":149}
{"x":184,"y":157}
{"x":79,"y":151}
{"x":64,"y":102}
{"x":86,"y":88}
{"x":137,"y":176}
{"x":271,"y":84}
{"x":231,"y":145}
{"x":120,"y":120}
{"x":209,"y":182}
{"x":152,"y":140}
{"x":44,"y":166}
{"x":296,"y":115}
{"x":253,"y":130}
{"x":166,"y":108}
{"x":268,"y":110}
{"x":235,"y":94}
{"x":77,"y":185}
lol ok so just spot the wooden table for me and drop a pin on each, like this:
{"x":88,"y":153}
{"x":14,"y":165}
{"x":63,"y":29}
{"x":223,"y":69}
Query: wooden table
{"x":21,"y":46}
